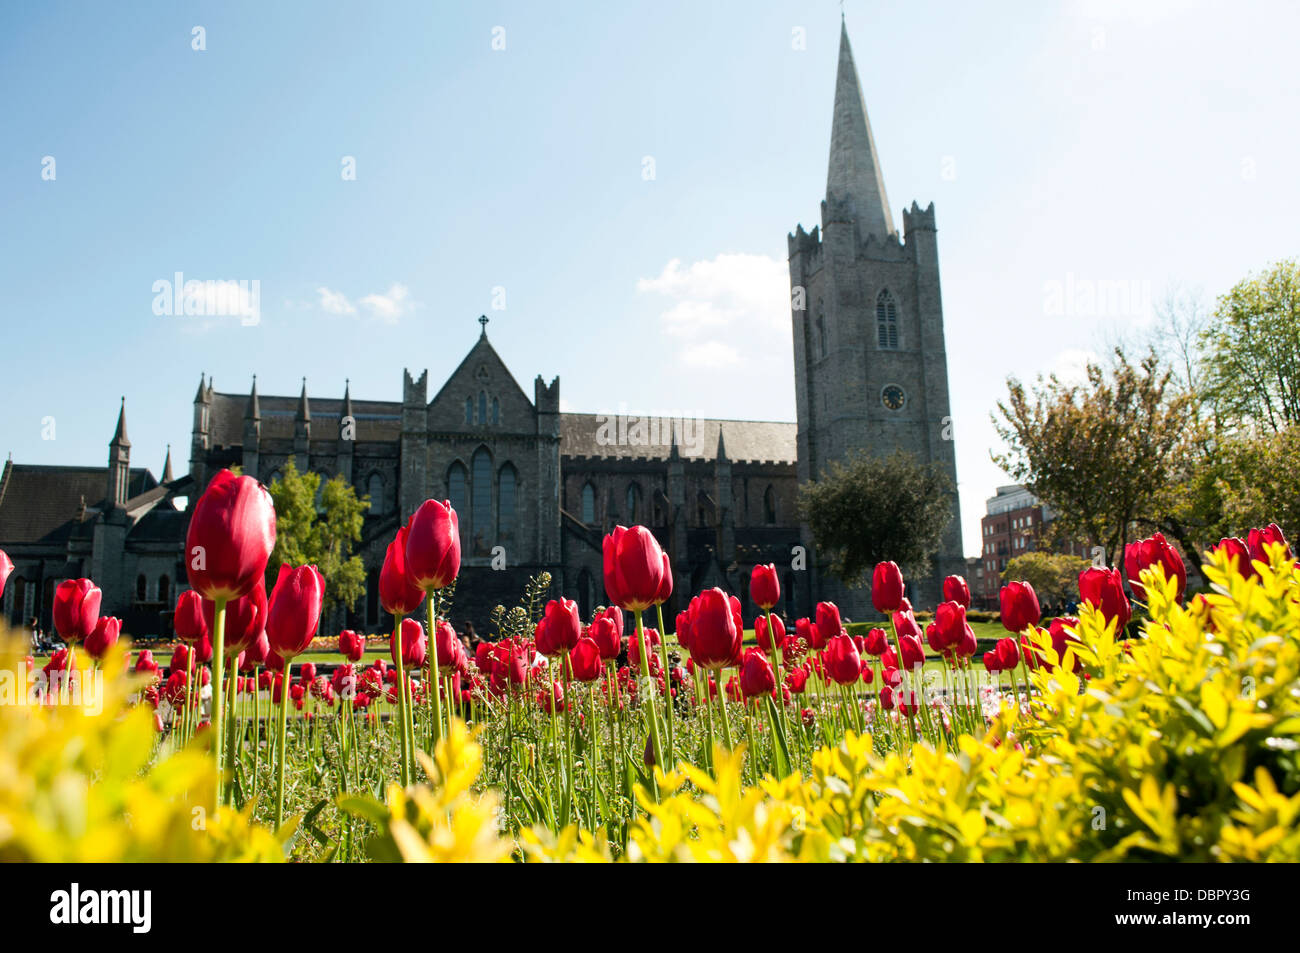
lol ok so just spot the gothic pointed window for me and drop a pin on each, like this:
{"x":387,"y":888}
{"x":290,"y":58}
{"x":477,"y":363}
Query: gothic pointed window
{"x":886,"y":321}
{"x":769,"y":506}
{"x":141,"y":588}
{"x":633,"y":513}
{"x":375,"y":490}
{"x":457,"y":491}
{"x":164,"y":590}
{"x":469,"y":410}
{"x":506,"y":482}
{"x":481,"y":495}
{"x":482,"y":407}
{"x":819,"y":333}
{"x":588,"y":504}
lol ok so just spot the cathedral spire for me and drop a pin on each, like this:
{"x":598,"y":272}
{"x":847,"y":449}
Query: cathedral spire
{"x":854,"y":172}
{"x":167,"y":466}
{"x":304,"y":408}
{"x":254,"y":409}
{"x":347,"y":398}
{"x":120,"y":438}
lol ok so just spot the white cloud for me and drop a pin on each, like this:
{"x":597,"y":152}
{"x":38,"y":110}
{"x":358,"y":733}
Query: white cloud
{"x":1071,"y":365}
{"x":744,"y":298}
{"x":334,"y":302}
{"x":728,"y":289}
{"x":390,"y":305}
{"x":385,"y":306}
{"x":712,"y":354}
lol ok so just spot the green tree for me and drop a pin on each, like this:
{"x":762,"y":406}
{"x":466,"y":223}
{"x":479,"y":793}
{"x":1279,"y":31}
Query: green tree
{"x":1251,"y":351}
{"x":318,"y":522}
{"x":1104,"y":454}
{"x":1054,"y":576}
{"x":876,"y":508}
{"x":1258,"y":483}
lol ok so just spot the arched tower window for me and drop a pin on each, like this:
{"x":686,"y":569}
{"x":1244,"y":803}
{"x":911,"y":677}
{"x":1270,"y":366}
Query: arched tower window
{"x":506,"y":482}
{"x":141,"y":588}
{"x":457,"y":494}
{"x":633,"y":513}
{"x":375,"y":490}
{"x":886,"y":321}
{"x":469,"y":410}
{"x":481,"y":495}
{"x":819,"y":333}
{"x":769,"y":506}
{"x":164,"y":589}
{"x":588,"y":504}
{"x":496,"y":412}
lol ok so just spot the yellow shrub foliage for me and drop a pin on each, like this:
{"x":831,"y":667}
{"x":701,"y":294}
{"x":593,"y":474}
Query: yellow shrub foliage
{"x":77,"y":785}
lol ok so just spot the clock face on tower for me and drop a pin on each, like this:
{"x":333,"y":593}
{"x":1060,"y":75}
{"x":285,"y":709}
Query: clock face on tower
{"x":893,"y":397}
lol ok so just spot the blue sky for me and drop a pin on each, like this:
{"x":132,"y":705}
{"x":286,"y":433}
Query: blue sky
{"x":1064,"y":146}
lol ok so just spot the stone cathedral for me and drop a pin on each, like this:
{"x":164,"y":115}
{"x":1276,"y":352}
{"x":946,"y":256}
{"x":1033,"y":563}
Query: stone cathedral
{"x":537,"y":488}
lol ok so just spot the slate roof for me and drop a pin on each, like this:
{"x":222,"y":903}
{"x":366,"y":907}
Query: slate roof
{"x":754,"y":440}
{"x":40,"y":503}
{"x":376,"y":419}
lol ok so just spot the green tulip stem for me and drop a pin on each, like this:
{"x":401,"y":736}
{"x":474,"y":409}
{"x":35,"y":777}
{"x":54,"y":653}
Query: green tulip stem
{"x":722,"y":706}
{"x":668,"y":685}
{"x":643,"y":650}
{"x":218,"y":714}
{"x":257,"y":730}
{"x":434,"y":688}
{"x":401,"y":701}
{"x":282,"y":753}
{"x":776,"y":668}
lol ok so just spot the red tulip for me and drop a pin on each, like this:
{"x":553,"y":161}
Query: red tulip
{"x":828,"y":623}
{"x":665,"y":591}
{"x":352,"y":645}
{"x":764,"y":587}
{"x":188,"y":620}
{"x":410,"y":635}
{"x":1103,"y":589}
{"x":103,"y":637}
{"x":256,"y":653}
{"x":433,"y":546}
{"x":294,"y":612}
{"x":756,"y":676}
{"x":950,"y":623}
{"x":1152,"y":552}
{"x":609,"y":638}
{"x":760,"y":633}
{"x":449,"y":648}
{"x":634,"y":648}
{"x":1007,"y":654}
{"x":633,"y":566}
{"x":913,"y":653}
{"x":76,"y":609}
{"x":1061,"y":638}
{"x":483,"y":657}
{"x":991,"y":663}
{"x":968,"y":645}
{"x":716,"y":631}
{"x":842,"y":661}
{"x":1257,"y":540}
{"x":886,"y":587}
{"x":1238,"y":552}
{"x":797,"y":680}
{"x":144,"y":663}
{"x":6,"y":567}
{"x":1019,"y":606}
{"x":956,"y":590}
{"x":245,"y":618}
{"x":905,"y":624}
{"x":553,"y":700}
{"x":876,"y":642}
{"x":230,"y":537}
{"x":586,"y":661}
{"x":397,"y":593}
{"x":563,"y":628}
